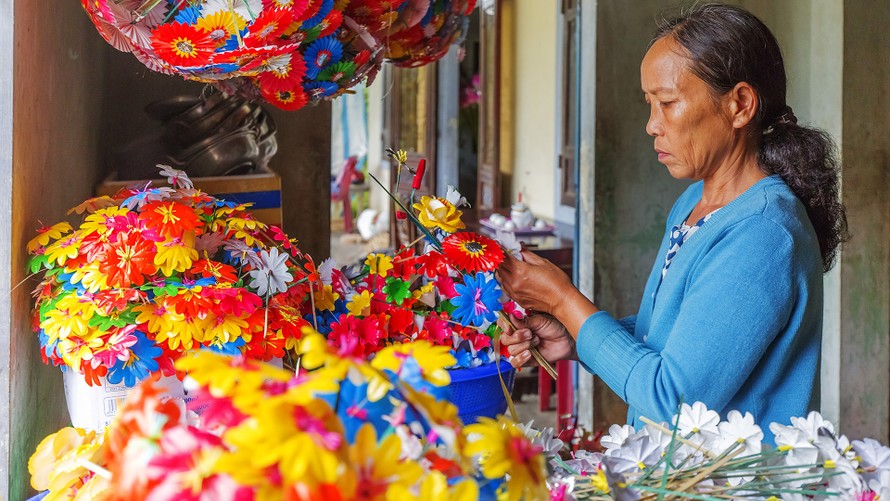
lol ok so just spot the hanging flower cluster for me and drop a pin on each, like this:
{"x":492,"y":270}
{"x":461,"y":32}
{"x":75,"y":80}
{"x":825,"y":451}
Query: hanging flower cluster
{"x":413,"y":32}
{"x":447,"y":295}
{"x":701,"y":456}
{"x":288,"y":52}
{"x":348,"y":429}
{"x":154,"y":272}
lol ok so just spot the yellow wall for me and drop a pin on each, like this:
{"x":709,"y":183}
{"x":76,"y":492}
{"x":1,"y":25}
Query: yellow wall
{"x":533,"y":80}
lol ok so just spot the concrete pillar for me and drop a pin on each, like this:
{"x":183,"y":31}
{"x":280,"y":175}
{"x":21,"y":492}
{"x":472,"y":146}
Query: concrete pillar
{"x":864,"y":268}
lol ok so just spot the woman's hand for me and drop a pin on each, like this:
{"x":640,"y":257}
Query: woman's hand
{"x":541,"y":331}
{"x":535,"y":283}
{"x":540,"y":286}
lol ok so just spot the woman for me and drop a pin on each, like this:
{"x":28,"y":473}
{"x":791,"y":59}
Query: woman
{"x":732,"y":312}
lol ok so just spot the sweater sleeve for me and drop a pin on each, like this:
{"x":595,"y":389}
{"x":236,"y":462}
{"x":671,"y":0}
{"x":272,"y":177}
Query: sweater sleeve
{"x":738,"y":298}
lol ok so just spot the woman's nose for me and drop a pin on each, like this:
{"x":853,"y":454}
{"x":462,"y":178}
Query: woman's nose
{"x":653,"y":126}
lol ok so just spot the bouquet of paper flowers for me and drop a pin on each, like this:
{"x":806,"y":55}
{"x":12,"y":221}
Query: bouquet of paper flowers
{"x":348,"y":429}
{"x":288,"y":52}
{"x":154,"y":272}
{"x":701,"y":456}
{"x":446,"y":295}
{"x":413,"y":32}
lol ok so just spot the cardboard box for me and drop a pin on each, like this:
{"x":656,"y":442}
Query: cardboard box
{"x":262,"y":189}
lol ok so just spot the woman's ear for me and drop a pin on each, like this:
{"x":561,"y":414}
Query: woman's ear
{"x":742,"y":101}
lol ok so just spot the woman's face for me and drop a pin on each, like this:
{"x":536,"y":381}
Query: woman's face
{"x":693,"y":132}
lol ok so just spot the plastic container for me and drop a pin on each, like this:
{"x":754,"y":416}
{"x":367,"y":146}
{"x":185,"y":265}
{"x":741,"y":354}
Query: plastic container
{"x":93,"y":407}
{"x":477,"y":392}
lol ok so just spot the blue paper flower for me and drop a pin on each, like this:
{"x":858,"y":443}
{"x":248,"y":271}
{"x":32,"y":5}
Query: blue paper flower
{"x":142,"y":362}
{"x":477,"y":300}
{"x":326,"y":7}
{"x":230,"y":348}
{"x":321,"y":54}
{"x":320,"y":89}
{"x":354,"y":409}
{"x":189,"y":15}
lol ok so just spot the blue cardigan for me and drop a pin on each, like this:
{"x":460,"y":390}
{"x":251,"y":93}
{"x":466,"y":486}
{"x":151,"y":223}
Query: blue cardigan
{"x":736,"y":323}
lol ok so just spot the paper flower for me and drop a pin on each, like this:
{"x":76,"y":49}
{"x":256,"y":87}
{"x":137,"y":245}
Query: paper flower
{"x":182,"y":45}
{"x":504,"y":449}
{"x":439,"y":213}
{"x":321,"y":54}
{"x":477,"y":300}
{"x":271,"y":276}
{"x":472,"y":253}
{"x":152,"y":273}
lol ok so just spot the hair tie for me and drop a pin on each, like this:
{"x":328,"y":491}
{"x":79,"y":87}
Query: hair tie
{"x":785,"y":118}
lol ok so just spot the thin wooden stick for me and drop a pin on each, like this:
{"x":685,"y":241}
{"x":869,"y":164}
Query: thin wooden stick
{"x":662,"y":429}
{"x":535,"y":353}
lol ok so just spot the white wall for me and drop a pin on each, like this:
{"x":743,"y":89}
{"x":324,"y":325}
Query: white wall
{"x":534,"y":82}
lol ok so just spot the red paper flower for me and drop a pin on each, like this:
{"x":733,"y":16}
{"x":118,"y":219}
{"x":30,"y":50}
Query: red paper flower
{"x":182,"y":44}
{"x":170,"y":219}
{"x":331,"y":23}
{"x":270,"y":25}
{"x":284,"y":72}
{"x":290,"y":100}
{"x":129,"y":261}
{"x":472,"y":253}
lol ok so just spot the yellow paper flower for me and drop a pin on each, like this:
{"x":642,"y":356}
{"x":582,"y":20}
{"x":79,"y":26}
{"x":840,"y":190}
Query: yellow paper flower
{"x":57,"y":464}
{"x":234,"y":377}
{"x":325,"y":297}
{"x":177,"y":254}
{"x":432,"y":360}
{"x":70,"y":318}
{"x":97,"y":222}
{"x":225,"y":328}
{"x":377,"y":465}
{"x":504,"y":449}
{"x":434,"y":212}
{"x":304,"y":442}
{"x":54,"y":232}
{"x":90,"y":277}
{"x":359,"y":305}
{"x":380,"y":264}
{"x":157,"y":317}
{"x":316,"y":354}
{"x":435,"y":488}
{"x":62,"y":250}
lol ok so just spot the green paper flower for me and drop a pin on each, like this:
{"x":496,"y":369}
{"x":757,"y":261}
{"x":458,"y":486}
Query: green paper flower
{"x":396,"y":290}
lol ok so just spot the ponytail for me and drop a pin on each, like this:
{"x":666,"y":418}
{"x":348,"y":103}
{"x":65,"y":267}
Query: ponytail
{"x":806,"y":159}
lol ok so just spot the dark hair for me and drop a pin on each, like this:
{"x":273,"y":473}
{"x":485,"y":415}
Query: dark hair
{"x":727,"y":45}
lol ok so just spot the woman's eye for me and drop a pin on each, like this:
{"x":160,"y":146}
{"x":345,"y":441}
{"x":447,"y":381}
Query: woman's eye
{"x":665,"y":104}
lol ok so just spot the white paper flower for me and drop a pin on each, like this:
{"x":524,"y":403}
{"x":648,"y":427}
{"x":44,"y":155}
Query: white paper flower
{"x":739,"y":429}
{"x":801,"y":452}
{"x":811,"y":425}
{"x":243,"y":252}
{"x":881,"y":484}
{"x":547,"y":441}
{"x":584,"y":462}
{"x":638,"y":453}
{"x":456,"y":199}
{"x":271,"y":276}
{"x":176,"y":177}
{"x":840,"y":473}
{"x":326,"y":270}
{"x":508,"y":241}
{"x":616,"y":438}
{"x":698,"y":424}
{"x":873,"y":457}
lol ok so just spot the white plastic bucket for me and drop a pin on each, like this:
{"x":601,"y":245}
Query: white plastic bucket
{"x":94,"y":407}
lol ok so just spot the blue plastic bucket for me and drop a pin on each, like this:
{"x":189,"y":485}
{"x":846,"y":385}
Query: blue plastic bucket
{"x":477,"y":392}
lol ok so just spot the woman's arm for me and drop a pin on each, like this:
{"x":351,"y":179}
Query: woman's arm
{"x":739,"y":298}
